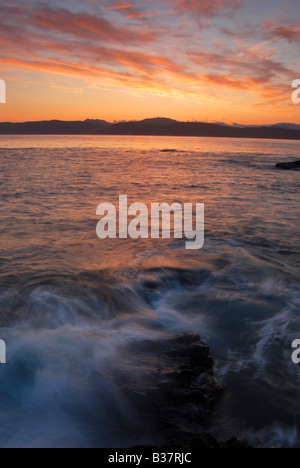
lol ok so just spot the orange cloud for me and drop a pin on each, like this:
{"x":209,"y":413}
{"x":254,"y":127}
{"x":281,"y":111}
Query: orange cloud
{"x":120,"y":6}
{"x":88,"y":26}
{"x":289,"y":33}
{"x":248,"y":64}
{"x":76,"y":25}
{"x":158,"y":55}
{"x":207,"y":8}
{"x":140,"y":70}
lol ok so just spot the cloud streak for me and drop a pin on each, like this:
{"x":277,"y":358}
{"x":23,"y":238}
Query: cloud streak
{"x":207,"y":8}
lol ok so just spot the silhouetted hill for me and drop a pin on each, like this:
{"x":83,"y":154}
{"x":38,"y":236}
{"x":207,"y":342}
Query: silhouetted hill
{"x":159,"y":121}
{"x":287,"y":125}
{"x":151,"y":127}
{"x":157,"y":126}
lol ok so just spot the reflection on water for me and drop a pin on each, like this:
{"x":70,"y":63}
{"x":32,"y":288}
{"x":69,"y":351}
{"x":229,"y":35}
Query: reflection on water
{"x":73,"y":305}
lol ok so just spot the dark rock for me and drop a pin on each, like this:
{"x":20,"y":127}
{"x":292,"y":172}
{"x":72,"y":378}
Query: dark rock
{"x":181,"y":393}
{"x":290,"y":166}
{"x":235,"y":443}
{"x":169,"y":151}
{"x":194,"y":442}
{"x":181,"y":389}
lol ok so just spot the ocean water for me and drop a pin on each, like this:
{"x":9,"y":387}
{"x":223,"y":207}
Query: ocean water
{"x":76,"y":312}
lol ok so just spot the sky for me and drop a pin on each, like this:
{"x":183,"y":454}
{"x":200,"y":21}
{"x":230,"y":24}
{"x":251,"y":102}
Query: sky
{"x":207,"y":60}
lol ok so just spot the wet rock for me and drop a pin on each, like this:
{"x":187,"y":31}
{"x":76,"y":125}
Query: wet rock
{"x":193,"y":442}
{"x":289,"y":166}
{"x":181,"y":393}
{"x":235,"y":443}
{"x":181,"y":389}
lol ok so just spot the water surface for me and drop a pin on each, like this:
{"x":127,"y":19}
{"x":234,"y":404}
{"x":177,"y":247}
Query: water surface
{"x":72,"y":306}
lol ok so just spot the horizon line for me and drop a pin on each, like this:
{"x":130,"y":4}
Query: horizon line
{"x":123,"y":121}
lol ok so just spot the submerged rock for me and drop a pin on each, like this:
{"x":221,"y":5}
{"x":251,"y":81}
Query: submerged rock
{"x":289,"y":166}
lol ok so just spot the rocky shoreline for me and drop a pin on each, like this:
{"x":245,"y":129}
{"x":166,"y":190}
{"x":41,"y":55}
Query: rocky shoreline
{"x":182,"y":394}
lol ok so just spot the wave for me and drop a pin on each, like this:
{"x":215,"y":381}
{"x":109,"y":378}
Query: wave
{"x":82,"y":350}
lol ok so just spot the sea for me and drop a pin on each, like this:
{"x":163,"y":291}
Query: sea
{"x":76,"y":312}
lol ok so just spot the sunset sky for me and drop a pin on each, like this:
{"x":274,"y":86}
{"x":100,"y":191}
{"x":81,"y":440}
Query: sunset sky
{"x":214,"y":60}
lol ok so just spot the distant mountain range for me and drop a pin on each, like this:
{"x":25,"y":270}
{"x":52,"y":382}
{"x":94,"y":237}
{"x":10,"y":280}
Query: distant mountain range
{"x":157,"y":126}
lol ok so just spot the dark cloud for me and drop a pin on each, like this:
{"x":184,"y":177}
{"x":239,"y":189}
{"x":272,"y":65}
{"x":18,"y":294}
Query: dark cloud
{"x":290,"y":33}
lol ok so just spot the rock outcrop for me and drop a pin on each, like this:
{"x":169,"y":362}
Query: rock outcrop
{"x":181,"y":389}
{"x":289,"y":166}
{"x":181,"y":393}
